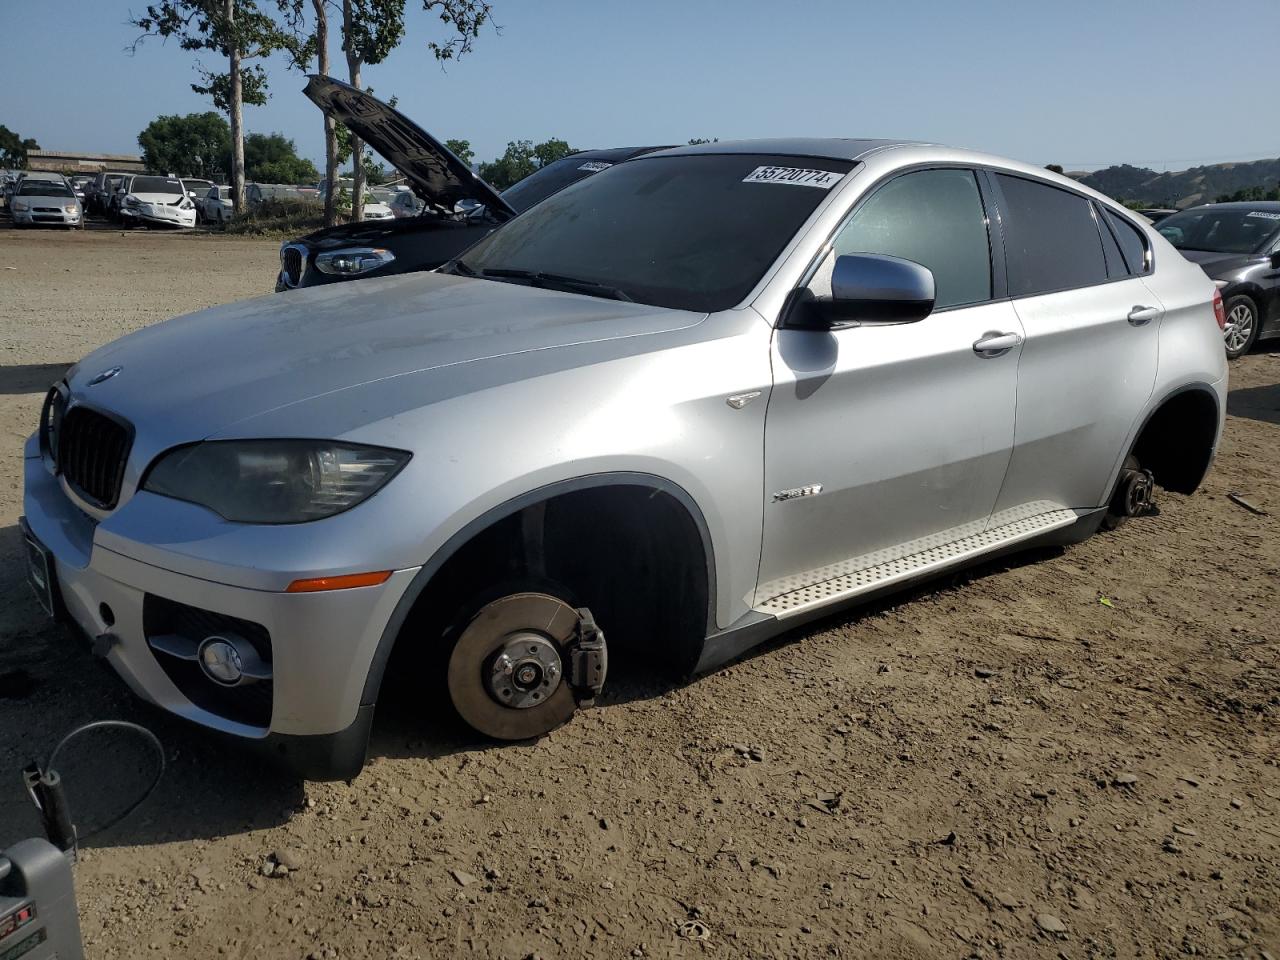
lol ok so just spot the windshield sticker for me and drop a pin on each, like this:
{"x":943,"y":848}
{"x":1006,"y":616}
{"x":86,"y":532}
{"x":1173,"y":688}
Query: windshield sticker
{"x":595,"y":166}
{"x":793,"y":177}
{"x":1264,"y":215}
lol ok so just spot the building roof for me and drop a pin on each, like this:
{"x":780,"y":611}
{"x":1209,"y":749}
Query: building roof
{"x":68,"y":161}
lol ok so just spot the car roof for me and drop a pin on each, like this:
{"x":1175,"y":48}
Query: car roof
{"x":818,"y":147}
{"x":1270,"y":206}
{"x":615,"y":154}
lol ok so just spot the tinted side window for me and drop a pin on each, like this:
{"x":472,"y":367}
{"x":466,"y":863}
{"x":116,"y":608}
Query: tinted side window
{"x":1116,"y":266}
{"x":1132,"y":244}
{"x":934,"y":217}
{"x":1051,"y":241}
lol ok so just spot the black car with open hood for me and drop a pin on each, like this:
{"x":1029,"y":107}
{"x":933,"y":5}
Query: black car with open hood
{"x":459,"y":207}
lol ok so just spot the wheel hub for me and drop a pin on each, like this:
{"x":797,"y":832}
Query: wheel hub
{"x":525,"y":672}
{"x":1137,"y":493}
{"x":507,"y":669}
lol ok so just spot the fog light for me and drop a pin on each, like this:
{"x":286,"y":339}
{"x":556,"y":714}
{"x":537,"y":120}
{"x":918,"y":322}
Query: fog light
{"x":220,"y":661}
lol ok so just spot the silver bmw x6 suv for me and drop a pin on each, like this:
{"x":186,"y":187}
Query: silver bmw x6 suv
{"x":678,"y":408}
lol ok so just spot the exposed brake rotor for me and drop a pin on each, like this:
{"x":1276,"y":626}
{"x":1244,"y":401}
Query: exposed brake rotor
{"x":523,"y":663}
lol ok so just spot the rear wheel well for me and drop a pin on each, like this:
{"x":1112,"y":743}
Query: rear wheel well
{"x":1176,"y":443}
{"x":631,"y":553}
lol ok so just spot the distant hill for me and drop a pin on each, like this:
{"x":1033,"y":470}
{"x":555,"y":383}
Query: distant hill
{"x":1183,"y":188}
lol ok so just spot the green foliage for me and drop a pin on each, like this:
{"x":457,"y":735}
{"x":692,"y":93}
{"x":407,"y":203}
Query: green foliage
{"x":1054,"y":167}
{"x":273,"y":158}
{"x":14,"y":149}
{"x":1250,"y":193}
{"x":279,"y":218}
{"x":201,"y":26}
{"x":697,"y":140}
{"x":522,"y":157}
{"x":196,"y":145}
{"x":462,"y":150}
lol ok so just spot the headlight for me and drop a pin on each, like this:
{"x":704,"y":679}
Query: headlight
{"x":70,"y":208}
{"x":20,"y":205}
{"x":274,"y":481}
{"x":353,"y":262}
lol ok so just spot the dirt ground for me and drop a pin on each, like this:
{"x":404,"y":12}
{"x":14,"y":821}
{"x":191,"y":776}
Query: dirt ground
{"x":999,"y":765}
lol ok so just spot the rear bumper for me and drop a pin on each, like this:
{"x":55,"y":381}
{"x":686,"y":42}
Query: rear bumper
{"x":322,"y":644}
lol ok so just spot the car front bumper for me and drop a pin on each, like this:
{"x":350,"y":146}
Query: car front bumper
{"x":321,"y":644}
{"x":58,"y":219}
{"x":162,"y":217}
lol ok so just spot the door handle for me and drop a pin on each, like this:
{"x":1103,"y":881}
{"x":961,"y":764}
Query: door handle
{"x":1140,"y":315}
{"x":995,"y":344}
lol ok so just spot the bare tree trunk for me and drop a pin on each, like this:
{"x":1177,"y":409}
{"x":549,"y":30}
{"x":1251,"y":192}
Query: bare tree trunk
{"x":237,"y":117}
{"x":330,"y":128}
{"x":357,"y":147}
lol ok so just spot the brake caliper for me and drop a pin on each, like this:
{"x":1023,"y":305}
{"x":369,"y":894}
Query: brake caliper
{"x":588,"y":659}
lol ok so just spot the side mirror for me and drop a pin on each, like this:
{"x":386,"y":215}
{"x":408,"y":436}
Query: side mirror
{"x":1275,"y":260}
{"x":869,"y":288}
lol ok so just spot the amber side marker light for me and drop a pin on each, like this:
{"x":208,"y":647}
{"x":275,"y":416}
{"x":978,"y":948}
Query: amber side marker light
{"x":318,"y":584}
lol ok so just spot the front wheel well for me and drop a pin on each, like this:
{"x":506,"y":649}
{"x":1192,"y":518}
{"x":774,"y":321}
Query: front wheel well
{"x":632,"y":553}
{"x":1177,"y":441}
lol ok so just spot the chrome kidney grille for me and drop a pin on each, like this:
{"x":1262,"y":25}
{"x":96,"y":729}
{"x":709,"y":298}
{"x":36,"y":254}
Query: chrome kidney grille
{"x":89,"y":449}
{"x":293,"y":260}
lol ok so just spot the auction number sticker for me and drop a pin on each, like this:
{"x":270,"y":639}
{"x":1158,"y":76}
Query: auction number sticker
{"x":595,"y":166}
{"x":1263,"y":214}
{"x":793,"y":177}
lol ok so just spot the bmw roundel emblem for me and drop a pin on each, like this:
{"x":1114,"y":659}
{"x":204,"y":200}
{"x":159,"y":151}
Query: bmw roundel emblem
{"x":104,"y":376}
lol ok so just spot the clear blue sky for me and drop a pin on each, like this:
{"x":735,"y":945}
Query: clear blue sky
{"x":1084,"y":83}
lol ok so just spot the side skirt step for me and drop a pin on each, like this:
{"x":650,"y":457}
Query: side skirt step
{"x":913,"y":566}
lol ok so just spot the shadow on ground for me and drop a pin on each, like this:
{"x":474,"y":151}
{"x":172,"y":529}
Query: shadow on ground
{"x":1255,"y":403}
{"x":30,"y":377}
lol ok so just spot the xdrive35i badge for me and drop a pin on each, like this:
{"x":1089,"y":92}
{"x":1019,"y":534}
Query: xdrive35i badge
{"x":104,"y":376}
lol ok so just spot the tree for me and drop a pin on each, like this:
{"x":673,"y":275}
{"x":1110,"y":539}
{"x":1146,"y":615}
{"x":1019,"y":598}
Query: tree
{"x":694,"y":141}
{"x":522,"y":157}
{"x":196,"y":145}
{"x":371,"y":29}
{"x":237,"y":30}
{"x":462,"y":150}
{"x":14,"y":149}
{"x":312,"y":42}
{"x":1055,"y":167}
{"x":273,"y":158}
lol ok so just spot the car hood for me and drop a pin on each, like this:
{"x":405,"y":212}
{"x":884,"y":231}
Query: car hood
{"x":1214,"y":262}
{"x":437,"y":175}
{"x":198,"y":375}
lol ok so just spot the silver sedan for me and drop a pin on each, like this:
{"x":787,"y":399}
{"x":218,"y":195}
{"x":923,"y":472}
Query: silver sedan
{"x":45,"y":202}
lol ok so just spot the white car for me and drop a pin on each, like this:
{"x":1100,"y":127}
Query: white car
{"x":377,"y":206}
{"x":405,"y":204}
{"x":157,"y":202}
{"x":215,"y":206}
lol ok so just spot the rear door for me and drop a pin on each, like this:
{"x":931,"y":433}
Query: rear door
{"x":1088,"y":365}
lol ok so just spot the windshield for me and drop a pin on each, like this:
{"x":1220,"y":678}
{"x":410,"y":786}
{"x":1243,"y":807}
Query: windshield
{"x":197,"y":184}
{"x":155,"y":185}
{"x":689,"y":232}
{"x":552,"y":178}
{"x":1221,"y":231}
{"x":44,"y":188}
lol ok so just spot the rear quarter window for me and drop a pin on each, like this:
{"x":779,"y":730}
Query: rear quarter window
{"x":1133,"y":244}
{"x":1051,"y":239}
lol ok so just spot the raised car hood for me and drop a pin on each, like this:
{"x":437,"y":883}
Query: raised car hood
{"x":198,"y":375}
{"x":437,"y":175}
